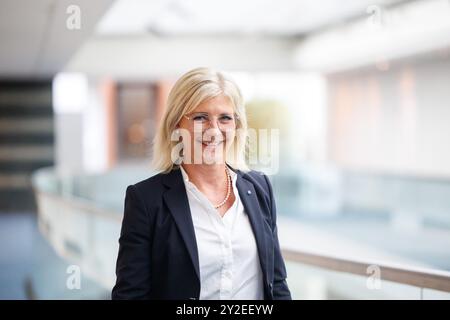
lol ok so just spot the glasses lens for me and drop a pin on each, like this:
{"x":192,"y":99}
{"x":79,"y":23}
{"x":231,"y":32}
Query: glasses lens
{"x":224,"y":120}
{"x":200,"y":118}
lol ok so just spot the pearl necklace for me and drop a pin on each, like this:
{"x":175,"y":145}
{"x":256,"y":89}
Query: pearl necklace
{"x":228,"y":190}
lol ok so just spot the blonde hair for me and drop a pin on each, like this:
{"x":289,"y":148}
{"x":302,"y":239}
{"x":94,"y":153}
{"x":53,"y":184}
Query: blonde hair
{"x":193,"y":88}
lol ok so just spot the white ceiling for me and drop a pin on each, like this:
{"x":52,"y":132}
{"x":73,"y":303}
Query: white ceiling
{"x":200,"y":17}
{"x":415,"y":30}
{"x":255,"y":38}
{"x":34,"y":39}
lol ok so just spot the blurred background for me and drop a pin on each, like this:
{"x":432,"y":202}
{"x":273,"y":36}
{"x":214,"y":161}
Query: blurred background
{"x":357,"y":91}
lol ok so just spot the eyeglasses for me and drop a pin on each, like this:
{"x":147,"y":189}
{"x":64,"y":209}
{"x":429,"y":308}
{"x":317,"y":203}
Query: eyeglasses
{"x":224,"y":120}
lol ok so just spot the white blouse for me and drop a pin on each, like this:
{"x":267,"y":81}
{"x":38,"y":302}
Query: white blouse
{"x":228,"y":255}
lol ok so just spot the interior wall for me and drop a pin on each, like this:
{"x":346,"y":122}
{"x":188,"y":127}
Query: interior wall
{"x":393,"y":120}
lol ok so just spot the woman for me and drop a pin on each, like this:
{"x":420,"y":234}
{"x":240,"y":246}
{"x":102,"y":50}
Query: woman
{"x":205,"y":227}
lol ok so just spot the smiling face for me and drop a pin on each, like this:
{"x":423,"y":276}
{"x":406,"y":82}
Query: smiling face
{"x":209,"y":131}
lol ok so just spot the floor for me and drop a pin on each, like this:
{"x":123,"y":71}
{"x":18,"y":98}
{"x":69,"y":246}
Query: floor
{"x":31,"y":269}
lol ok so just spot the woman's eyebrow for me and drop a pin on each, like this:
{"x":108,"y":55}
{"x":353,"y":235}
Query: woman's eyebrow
{"x":221,"y":114}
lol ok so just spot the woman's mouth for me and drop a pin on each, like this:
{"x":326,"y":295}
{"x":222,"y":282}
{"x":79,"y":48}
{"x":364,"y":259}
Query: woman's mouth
{"x":211,"y":143}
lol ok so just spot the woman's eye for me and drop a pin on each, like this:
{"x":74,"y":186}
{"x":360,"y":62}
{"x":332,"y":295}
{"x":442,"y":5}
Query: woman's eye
{"x":226,"y":118}
{"x":200,"y":118}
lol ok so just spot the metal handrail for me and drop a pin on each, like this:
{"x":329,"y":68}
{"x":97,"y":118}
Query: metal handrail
{"x":419,"y":277}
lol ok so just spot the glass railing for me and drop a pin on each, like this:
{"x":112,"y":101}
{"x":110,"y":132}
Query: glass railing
{"x":405,"y":217}
{"x":80,"y":216}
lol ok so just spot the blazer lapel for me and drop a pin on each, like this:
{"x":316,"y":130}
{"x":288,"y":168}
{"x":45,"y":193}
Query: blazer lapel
{"x":253,"y":210}
{"x":178,"y":204}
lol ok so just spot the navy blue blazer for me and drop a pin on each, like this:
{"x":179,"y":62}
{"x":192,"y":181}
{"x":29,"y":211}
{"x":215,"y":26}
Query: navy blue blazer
{"x":158,"y":257}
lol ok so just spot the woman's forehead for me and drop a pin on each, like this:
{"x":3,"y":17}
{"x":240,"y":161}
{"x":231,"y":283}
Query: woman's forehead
{"x":219,"y":104}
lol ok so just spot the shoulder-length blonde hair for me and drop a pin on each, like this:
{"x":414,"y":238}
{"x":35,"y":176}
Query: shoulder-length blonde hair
{"x":193,"y":88}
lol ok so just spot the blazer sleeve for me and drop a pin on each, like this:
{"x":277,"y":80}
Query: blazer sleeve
{"x":280,"y":287}
{"x":133,"y":261}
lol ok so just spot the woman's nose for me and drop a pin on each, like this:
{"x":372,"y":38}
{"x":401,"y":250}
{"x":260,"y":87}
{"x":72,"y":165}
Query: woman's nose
{"x":214,"y":123}
{"x":213,"y":132}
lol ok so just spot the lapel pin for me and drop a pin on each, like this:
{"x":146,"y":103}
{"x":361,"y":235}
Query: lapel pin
{"x":249,"y":192}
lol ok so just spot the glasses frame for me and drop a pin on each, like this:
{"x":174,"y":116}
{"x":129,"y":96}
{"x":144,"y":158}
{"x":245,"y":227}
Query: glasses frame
{"x":189,"y":117}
